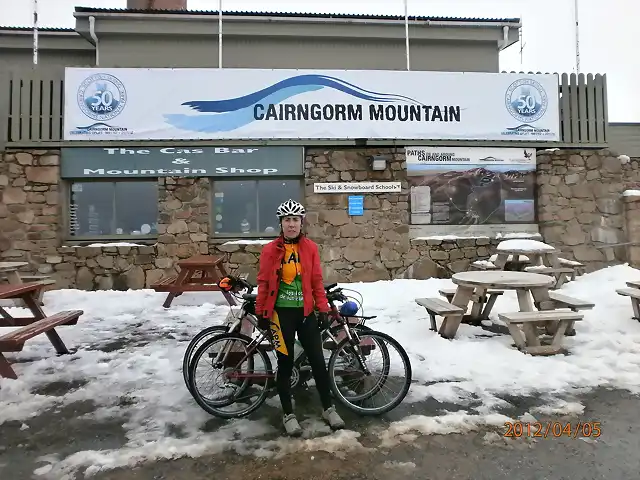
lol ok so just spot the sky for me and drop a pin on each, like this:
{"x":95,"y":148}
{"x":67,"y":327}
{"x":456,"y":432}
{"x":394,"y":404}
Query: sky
{"x":606,"y":29}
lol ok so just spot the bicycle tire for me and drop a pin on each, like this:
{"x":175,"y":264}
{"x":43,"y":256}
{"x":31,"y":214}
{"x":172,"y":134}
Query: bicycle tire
{"x":208,"y":407}
{"x":193,"y":344}
{"x":302,"y":358}
{"x":381,"y":410}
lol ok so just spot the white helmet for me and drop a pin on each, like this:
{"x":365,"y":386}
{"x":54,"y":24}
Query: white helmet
{"x":290,"y":208}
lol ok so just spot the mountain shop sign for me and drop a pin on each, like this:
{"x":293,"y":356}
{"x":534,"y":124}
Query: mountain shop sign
{"x":130,"y":162}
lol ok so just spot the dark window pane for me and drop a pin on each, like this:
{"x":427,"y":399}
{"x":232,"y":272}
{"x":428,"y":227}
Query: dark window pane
{"x":113,"y":208}
{"x":136,"y":208}
{"x":91,"y":211}
{"x":272,"y":193}
{"x":234,"y":206}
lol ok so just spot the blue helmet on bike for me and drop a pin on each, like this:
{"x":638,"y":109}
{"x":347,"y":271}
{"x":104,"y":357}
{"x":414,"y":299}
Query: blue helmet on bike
{"x":349,"y":309}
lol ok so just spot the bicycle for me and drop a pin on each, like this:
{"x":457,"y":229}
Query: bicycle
{"x":347,"y":362}
{"x":301,"y":369}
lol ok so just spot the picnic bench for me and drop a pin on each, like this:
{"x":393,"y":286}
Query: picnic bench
{"x":197,"y":274}
{"x":30,"y":327}
{"x":634,"y":294}
{"x":483,"y":301}
{"x":527,"y":340}
{"x":437,"y":306}
{"x":10,"y":271}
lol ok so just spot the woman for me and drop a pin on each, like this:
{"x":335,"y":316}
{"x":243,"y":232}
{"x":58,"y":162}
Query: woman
{"x":289,"y":286}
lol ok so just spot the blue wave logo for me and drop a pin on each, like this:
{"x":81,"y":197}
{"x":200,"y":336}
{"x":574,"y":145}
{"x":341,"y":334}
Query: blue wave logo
{"x":94,"y":125}
{"x":233,"y":113}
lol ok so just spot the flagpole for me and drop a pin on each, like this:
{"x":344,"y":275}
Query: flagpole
{"x":406,"y":32}
{"x":35,"y":32}
{"x":219,"y":33}
{"x":575,"y":8}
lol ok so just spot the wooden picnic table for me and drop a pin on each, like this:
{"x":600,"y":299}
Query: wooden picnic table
{"x":540,"y":258}
{"x":197,"y":274}
{"x":474,"y":284}
{"x":29,"y":327}
{"x":10,"y":270}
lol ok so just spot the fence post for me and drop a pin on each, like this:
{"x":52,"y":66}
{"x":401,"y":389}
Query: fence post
{"x":5,"y":102}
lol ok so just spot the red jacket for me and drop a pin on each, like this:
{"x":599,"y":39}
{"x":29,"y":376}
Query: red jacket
{"x":268,"y":278}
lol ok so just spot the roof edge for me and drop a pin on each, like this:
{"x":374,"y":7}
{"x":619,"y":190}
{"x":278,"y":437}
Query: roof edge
{"x":299,"y":15}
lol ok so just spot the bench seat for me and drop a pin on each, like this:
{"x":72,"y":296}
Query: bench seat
{"x":531,"y":343}
{"x":14,"y":341}
{"x":437,"y":306}
{"x":565,"y":301}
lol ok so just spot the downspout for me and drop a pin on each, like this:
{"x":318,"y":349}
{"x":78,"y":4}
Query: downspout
{"x":505,"y":38}
{"x":92,"y":32}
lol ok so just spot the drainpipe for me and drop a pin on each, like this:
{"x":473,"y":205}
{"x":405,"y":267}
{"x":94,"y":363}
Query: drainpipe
{"x":92,"y":32}
{"x":505,"y":38}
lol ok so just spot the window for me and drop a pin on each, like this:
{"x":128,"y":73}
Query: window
{"x":248,"y":207}
{"x":113,"y":209}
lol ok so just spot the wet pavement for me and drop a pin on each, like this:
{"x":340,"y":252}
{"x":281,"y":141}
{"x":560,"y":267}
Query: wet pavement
{"x":361,"y":452}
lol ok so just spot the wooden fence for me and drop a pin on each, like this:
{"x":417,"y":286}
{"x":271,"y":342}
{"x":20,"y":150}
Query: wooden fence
{"x":32,"y":106}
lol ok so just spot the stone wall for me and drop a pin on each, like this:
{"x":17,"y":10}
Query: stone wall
{"x":374,"y":246}
{"x":580,"y":202}
{"x":632,"y":225}
{"x":580,"y":208}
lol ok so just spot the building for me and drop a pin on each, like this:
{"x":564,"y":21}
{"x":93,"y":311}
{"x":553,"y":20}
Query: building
{"x":119,"y":207}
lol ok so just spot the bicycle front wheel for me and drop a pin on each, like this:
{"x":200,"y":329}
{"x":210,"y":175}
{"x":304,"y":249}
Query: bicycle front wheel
{"x":229,"y":376}
{"x":195,"y":342}
{"x":388,"y":379}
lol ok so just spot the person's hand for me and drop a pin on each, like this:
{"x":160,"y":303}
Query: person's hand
{"x":323,"y":320}
{"x":264,"y":323}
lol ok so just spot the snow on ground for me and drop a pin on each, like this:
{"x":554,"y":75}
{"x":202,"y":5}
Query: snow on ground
{"x":137,"y":375}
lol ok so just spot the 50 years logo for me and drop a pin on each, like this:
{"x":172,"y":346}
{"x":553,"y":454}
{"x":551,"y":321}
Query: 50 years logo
{"x":526,"y":100}
{"x":102,"y":97}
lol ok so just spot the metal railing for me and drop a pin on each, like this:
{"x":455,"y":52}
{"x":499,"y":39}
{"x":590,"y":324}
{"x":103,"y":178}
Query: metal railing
{"x":32,"y":106}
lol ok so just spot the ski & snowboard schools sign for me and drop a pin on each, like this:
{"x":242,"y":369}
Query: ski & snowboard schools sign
{"x":238,"y":104}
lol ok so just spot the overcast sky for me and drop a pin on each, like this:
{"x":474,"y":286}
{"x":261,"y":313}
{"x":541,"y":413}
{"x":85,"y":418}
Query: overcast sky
{"x":609,"y":41}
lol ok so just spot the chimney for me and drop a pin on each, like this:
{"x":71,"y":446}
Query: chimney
{"x":157,"y":4}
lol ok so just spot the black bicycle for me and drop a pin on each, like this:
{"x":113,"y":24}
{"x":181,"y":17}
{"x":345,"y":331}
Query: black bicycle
{"x":301,"y":369}
{"x":238,"y":364}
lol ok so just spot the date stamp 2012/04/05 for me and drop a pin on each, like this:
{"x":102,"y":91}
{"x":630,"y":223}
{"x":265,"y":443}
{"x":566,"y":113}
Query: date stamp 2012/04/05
{"x":552,"y":429}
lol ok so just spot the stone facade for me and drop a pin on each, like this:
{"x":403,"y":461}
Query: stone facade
{"x":580,"y":205}
{"x":632,"y":225}
{"x":580,"y":202}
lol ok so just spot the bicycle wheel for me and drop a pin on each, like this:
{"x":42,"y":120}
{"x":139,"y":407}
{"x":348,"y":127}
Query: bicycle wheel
{"x":302,"y":370}
{"x":195,"y":342}
{"x":236,"y":381}
{"x":344,"y":364}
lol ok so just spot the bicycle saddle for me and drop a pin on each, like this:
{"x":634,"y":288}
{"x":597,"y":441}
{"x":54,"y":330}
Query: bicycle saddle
{"x":250,"y":297}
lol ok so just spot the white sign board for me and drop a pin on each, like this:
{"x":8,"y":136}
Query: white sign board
{"x":358,"y":187}
{"x":472,"y":186}
{"x":237,"y":104}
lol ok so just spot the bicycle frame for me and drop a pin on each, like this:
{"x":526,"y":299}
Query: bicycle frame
{"x":265,"y":334}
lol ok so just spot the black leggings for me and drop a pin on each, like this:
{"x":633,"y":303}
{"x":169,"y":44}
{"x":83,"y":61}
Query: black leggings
{"x":292,"y":320}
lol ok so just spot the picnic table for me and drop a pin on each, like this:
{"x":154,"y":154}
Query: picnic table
{"x":29,"y":327}
{"x":473,"y":286}
{"x":197,"y":274}
{"x":11,"y":272}
{"x":633,"y":292}
{"x":535,"y":257}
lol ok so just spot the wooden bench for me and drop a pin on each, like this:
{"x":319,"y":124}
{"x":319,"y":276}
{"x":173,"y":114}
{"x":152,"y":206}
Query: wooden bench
{"x":561,"y":274}
{"x":15,"y":340}
{"x":483,"y":265}
{"x":530,"y":343}
{"x":437,"y":306}
{"x":488,"y":300}
{"x":633,"y":284}
{"x":577,"y":267}
{"x":634,"y":295}
{"x":574,"y":304}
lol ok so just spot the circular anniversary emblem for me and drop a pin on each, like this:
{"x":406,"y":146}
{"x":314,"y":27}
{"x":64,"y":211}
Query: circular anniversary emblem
{"x":526,"y":100}
{"x":102,"y":97}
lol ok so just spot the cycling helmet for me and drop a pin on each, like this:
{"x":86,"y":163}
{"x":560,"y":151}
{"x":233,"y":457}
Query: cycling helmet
{"x":290,"y":208}
{"x":348,"y":309}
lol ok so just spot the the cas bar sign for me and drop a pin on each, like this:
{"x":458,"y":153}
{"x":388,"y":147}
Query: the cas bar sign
{"x":358,"y":187}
